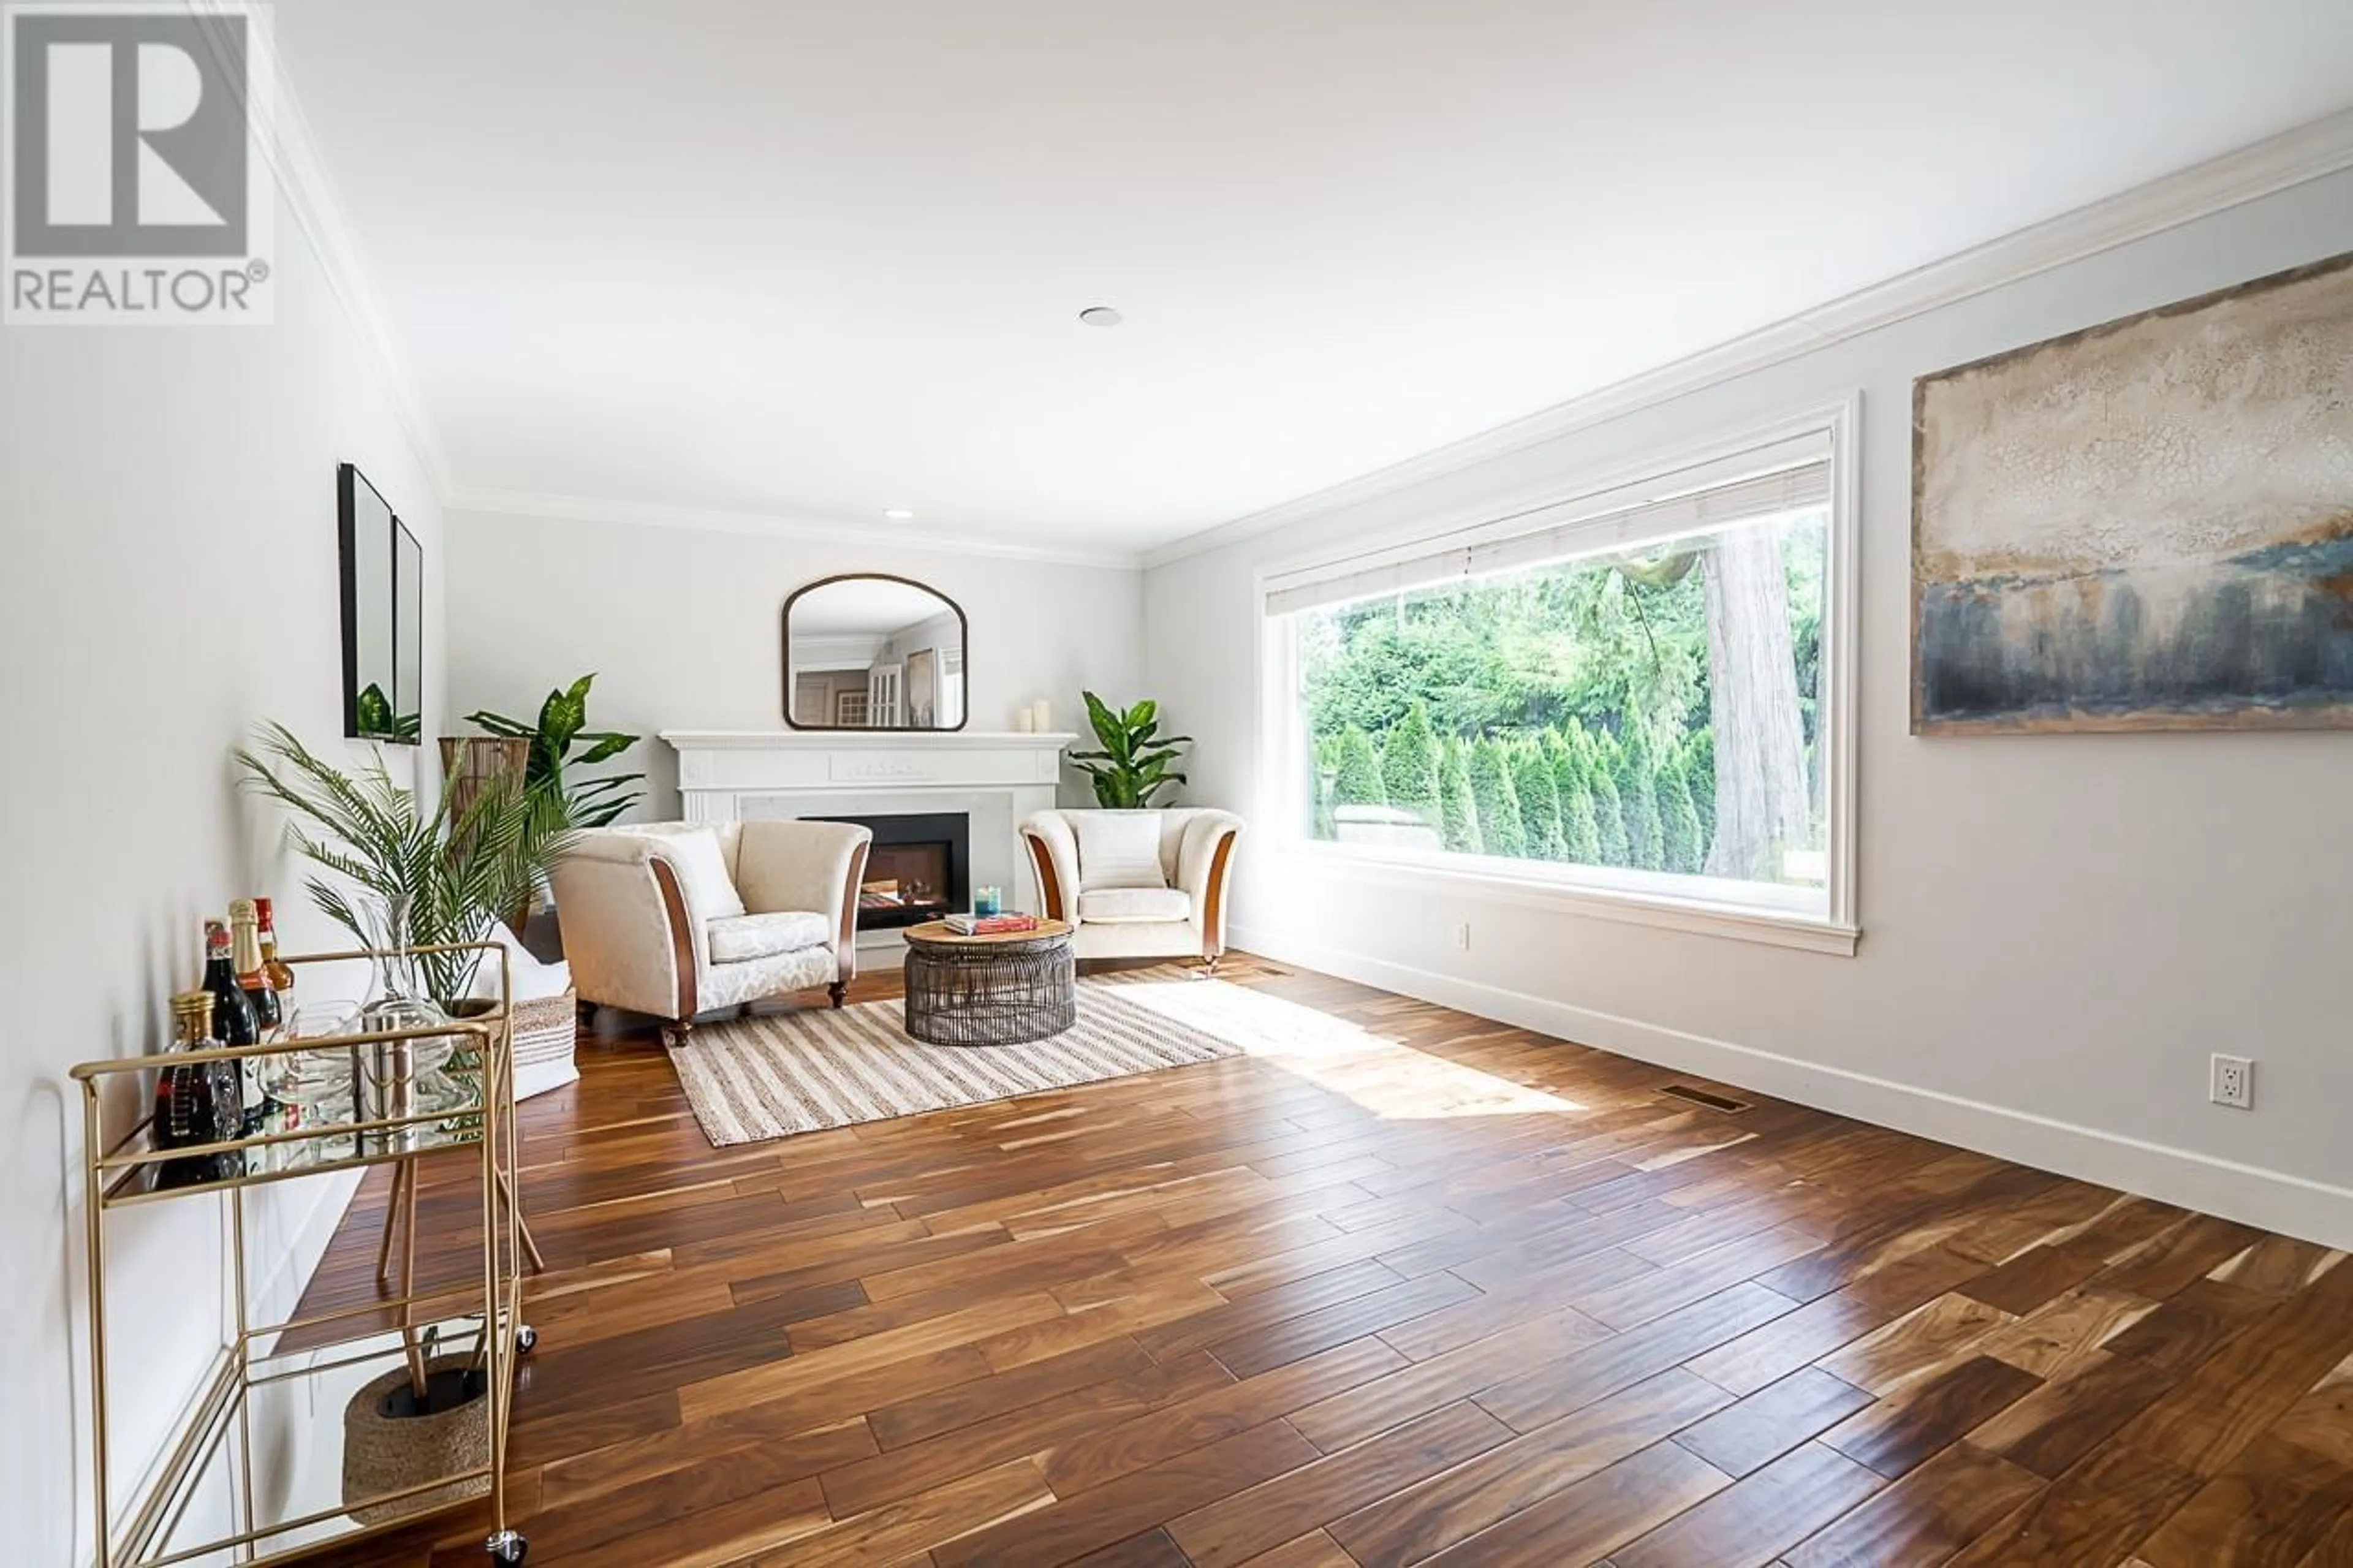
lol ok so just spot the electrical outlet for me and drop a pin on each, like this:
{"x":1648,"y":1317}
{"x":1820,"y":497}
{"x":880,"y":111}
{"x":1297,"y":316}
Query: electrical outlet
{"x":2233,"y":1082}
{"x":1462,"y":937}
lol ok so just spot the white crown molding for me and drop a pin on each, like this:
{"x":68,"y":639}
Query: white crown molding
{"x":708,"y":519}
{"x":292,"y":154}
{"x":2310,"y":152}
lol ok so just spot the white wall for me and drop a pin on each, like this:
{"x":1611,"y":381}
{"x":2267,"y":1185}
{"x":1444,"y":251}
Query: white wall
{"x":167,"y":503}
{"x":2056,"y":929}
{"x":683,"y":626}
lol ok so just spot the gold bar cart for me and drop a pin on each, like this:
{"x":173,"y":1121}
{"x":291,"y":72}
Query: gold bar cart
{"x":212,"y":1450}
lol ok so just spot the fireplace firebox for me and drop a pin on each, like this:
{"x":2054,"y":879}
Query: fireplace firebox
{"x":919,"y":869}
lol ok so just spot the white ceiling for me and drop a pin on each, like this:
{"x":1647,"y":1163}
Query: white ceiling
{"x":813,"y":261}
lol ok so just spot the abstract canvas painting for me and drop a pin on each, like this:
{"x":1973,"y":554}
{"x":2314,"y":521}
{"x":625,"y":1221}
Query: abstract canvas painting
{"x":2148,"y":525}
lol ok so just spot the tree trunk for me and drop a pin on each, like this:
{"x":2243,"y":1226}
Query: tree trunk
{"x":1761,"y":809}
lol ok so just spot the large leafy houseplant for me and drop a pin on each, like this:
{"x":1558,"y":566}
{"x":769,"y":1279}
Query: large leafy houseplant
{"x":417,"y":878}
{"x":1132,"y":764}
{"x":563,"y":723}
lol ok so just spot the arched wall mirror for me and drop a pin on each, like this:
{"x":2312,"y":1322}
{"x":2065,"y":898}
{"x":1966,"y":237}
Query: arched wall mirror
{"x":870,"y":651}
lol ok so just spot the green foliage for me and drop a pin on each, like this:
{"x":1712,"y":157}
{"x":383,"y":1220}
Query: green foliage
{"x":1131,"y":764}
{"x":1637,"y":797}
{"x":428,"y":879}
{"x":1512,"y":656}
{"x":1580,"y":834}
{"x":1320,"y":763}
{"x":563,"y":723}
{"x":1609,"y":655}
{"x":1685,"y":848}
{"x":1699,"y":774}
{"x":1458,"y":806}
{"x":1597,"y":755}
{"x":1502,"y":828}
{"x":1539,"y":802}
{"x":1356,"y":773}
{"x":1410,"y":764}
{"x":378,"y":721}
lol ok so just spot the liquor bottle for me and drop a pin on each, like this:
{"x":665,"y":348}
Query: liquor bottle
{"x":195,"y":1102}
{"x":245,"y":939}
{"x":234,"y":1023}
{"x":280,"y":972}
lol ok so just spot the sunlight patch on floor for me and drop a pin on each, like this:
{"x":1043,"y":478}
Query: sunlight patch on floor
{"x":1384,"y":1076}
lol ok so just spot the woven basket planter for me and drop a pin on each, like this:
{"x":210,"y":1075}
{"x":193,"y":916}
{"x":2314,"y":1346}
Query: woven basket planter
{"x":384,"y":1452}
{"x":546,"y":1031}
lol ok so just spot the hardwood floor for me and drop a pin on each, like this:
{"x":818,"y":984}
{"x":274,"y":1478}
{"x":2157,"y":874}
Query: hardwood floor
{"x":1475,"y":1297}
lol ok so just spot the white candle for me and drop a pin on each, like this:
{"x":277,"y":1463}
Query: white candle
{"x":1041,"y":715}
{"x":1022,"y":723}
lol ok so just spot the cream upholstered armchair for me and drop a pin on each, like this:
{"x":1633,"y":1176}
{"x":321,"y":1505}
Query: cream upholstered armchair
{"x":677,"y":919}
{"x":1137,"y":884}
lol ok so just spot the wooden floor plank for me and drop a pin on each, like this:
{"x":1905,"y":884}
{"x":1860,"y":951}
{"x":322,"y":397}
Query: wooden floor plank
{"x":1925,"y":1518}
{"x":1243,"y":1315}
{"x":1747,"y":1524}
{"x":1773,"y":1420}
{"x":1586,"y":1520}
{"x":1421,"y":1520}
{"x":1235,"y":1528}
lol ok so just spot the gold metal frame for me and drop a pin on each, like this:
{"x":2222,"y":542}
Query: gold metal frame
{"x":112,"y":1179}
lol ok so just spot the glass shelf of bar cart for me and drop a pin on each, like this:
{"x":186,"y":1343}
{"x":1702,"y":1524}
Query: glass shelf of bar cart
{"x":343,"y":1091}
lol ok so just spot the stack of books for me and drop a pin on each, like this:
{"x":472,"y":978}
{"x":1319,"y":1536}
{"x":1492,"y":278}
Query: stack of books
{"x":990,"y":925}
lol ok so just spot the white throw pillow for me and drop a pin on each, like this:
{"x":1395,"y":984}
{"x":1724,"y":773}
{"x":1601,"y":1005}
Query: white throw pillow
{"x":1119,"y":850}
{"x":694,"y":854}
{"x":531,"y":980}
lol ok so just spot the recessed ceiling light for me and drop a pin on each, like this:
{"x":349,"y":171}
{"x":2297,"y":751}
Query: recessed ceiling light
{"x":1101,"y":316}
{"x":898,"y":514}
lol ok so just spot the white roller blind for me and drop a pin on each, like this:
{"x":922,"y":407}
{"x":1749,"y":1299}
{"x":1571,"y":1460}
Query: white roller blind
{"x":1786,"y":477}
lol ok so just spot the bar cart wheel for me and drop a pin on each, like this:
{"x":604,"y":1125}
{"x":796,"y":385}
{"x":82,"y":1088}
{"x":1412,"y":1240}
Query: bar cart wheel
{"x":507,"y":1546}
{"x":526,"y":1338}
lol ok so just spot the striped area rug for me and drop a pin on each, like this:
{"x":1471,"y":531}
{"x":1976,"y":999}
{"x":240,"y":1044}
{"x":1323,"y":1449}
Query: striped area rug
{"x":770,"y":1076}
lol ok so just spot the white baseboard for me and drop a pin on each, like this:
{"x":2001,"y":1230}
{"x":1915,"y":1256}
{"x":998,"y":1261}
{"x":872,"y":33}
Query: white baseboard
{"x":2275,"y":1200}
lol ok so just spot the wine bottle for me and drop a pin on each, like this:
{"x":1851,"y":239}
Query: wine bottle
{"x":234,"y":1023}
{"x":280,"y":972}
{"x":195,"y":1102}
{"x":245,"y":939}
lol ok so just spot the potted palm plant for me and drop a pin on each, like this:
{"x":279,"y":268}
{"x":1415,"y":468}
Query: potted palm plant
{"x":402,"y":876}
{"x":402,"y":879}
{"x":1132,"y":761}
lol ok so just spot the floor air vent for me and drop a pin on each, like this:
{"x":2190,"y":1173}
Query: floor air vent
{"x":1701,"y":1096}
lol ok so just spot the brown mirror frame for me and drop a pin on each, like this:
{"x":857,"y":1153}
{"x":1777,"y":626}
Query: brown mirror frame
{"x":784,"y":659}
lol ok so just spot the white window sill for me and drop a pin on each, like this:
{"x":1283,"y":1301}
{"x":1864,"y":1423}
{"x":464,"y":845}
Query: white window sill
{"x":1597,"y":894}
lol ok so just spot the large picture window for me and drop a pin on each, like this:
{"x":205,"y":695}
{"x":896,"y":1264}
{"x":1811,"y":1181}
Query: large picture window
{"x":1639,"y":695}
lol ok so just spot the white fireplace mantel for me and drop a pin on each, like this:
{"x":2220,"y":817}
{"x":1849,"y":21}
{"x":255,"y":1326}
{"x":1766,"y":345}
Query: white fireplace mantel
{"x":996,"y":780}
{"x":716,"y":763}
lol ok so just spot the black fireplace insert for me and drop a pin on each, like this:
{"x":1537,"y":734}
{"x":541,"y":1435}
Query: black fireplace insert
{"x":918,"y":870}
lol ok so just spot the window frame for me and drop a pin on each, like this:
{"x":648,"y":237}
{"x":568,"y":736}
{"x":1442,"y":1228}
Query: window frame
{"x":1654,"y":899}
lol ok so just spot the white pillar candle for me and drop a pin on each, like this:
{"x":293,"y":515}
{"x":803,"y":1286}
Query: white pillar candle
{"x":1041,"y":715}
{"x":1022,"y":721}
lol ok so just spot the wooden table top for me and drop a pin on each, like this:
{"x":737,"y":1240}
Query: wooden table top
{"x":941,"y":934}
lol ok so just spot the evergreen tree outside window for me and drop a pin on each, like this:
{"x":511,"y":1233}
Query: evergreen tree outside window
{"x":1458,"y":808}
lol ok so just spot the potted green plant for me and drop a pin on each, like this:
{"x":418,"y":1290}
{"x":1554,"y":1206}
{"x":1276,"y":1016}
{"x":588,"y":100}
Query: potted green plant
{"x":564,"y":723}
{"x":398,"y":878}
{"x":1132,"y":761}
{"x":421,"y":879}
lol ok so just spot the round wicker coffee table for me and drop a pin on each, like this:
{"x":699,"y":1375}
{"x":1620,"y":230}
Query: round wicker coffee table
{"x":1004,"y":988}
